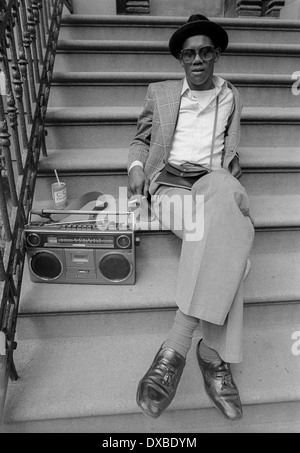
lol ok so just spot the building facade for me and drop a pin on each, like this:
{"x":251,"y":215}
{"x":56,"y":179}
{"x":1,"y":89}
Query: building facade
{"x":287,"y":9}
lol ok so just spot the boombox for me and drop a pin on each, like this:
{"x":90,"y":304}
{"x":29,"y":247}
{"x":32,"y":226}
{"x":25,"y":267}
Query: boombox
{"x":81,"y":252}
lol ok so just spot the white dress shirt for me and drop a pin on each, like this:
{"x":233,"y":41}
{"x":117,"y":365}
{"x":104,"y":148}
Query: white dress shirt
{"x":193,"y":134}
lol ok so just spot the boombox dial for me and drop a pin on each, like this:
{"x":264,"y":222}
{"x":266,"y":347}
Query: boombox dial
{"x":123,"y":241}
{"x":33,"y":239}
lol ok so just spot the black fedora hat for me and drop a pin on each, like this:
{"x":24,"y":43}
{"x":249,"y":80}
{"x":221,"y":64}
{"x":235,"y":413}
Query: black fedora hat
{"x":198,"y":24}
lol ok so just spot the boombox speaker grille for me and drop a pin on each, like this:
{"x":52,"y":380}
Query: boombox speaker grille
{"x":46,"y":265}
{"x":115,"y":267}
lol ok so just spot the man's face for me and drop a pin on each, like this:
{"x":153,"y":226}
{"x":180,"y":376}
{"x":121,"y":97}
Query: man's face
{"x":199,"y":72}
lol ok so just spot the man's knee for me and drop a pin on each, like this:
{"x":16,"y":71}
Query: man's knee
{"x":222,"y":186}
{"x":220,"y":181}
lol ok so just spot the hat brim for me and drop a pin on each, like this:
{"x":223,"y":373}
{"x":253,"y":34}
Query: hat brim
{"x":201,"y":27}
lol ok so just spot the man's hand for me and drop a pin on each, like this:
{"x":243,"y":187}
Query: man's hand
{"x":235,"y":168}
{"x":138,"y":183}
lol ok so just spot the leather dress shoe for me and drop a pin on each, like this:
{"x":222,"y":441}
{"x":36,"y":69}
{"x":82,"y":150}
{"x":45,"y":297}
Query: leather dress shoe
{"x":220,"y":387}
{"x":157,"y":388}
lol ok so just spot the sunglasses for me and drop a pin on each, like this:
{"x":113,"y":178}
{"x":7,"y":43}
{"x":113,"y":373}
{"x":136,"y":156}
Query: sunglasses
{"x":206,"y":53}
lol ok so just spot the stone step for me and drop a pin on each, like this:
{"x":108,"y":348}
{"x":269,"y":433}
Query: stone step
{"x":271,"y":127}
{"x":121,"y":89}
{"x":268,"y":211}
{"x":97,"y":27}
{"x":153,"y":56}
{"x":274,"y":258}
{"x":270,"y":176}
{"x":274,"y":196}
{"x":79,"y":376}
{"x":115,"y":159}
{"x":259,"y":418}
{"x":270,"y":158}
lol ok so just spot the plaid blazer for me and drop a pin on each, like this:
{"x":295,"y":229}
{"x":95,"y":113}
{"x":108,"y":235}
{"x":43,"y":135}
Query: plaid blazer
{"x":156,"y":126}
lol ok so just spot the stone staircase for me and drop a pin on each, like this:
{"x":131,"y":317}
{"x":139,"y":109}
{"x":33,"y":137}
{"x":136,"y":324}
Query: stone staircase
{"x":81,"y":350}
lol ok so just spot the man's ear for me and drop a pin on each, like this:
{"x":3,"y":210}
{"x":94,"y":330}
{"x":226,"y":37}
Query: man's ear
{"x":218,"y":52}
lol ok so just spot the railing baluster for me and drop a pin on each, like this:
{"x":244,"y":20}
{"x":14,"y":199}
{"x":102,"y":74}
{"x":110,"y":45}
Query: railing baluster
{"x":36,"y":17}
{"x":12,"y":110}
{"x":18,"y":85}
{"x":42,"y":23}
{"x":23,"y":64}
{"x":19,"y":96}
{"x":32,"y":31}
{"x":3,"y":212}
{"x":5,"y":146}
{"x":27,"y":45}
{"x":2,"y":268}
{"x":46,"y":16}
{"x":48,"y":8}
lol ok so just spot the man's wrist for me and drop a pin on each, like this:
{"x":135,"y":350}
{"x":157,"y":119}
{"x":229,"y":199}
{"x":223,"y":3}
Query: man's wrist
{"x":136,"y":163}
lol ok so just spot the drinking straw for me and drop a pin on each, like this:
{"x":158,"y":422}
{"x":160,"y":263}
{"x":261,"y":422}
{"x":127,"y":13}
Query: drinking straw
{"x":57,"y":177}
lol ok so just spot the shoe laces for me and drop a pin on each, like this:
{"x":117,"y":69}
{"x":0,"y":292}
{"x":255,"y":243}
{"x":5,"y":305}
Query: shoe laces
{"x":169,"y":373}
{"x":226,"y":381}
{"x":224,"y":374}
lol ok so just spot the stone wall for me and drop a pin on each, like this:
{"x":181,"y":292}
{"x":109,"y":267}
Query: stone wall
{"x":185,"y":8}
{"x":258,"y":8}
{"x":291,"y":10}
{"x":288,"y":9}
{"x":106,"y":7}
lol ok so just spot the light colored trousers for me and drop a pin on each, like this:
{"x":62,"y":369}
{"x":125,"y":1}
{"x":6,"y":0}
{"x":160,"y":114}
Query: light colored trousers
{"x":217,"y":236}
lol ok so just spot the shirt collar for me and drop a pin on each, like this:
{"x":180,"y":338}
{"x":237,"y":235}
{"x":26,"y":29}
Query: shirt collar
{"x":218,"y":83}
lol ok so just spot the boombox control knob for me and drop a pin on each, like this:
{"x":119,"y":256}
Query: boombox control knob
{"x":33,"y":239}
{"x":137,"y":241}
{"x":123,"y":241}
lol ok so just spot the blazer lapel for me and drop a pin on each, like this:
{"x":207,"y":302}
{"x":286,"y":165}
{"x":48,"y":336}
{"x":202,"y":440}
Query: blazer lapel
{"x":168,"y":107}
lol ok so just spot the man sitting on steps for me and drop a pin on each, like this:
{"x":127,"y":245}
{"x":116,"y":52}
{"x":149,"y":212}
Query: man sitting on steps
{"x":197,"y":120}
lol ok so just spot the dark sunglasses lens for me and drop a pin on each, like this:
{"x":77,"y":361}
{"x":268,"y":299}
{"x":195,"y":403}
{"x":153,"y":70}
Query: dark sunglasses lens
{"x":189,"y":55}
{"x":207,"y":53}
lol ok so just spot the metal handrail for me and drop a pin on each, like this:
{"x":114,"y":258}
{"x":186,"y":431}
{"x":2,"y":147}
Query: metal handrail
{"x":29,"y":31}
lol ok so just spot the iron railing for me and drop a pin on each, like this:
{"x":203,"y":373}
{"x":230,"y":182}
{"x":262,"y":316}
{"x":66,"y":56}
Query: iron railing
{"x":29,"y":32}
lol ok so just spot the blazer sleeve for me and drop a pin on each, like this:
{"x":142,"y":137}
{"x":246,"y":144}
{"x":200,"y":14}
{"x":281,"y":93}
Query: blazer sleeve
{"x":139,"y":148}
{"x":233,"y":133}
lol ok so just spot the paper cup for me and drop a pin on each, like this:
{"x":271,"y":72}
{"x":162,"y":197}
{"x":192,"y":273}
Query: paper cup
{"x":59,"y":194}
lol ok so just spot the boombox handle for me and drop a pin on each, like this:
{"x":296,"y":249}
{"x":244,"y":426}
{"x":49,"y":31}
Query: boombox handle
{"x":66,"y":213}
